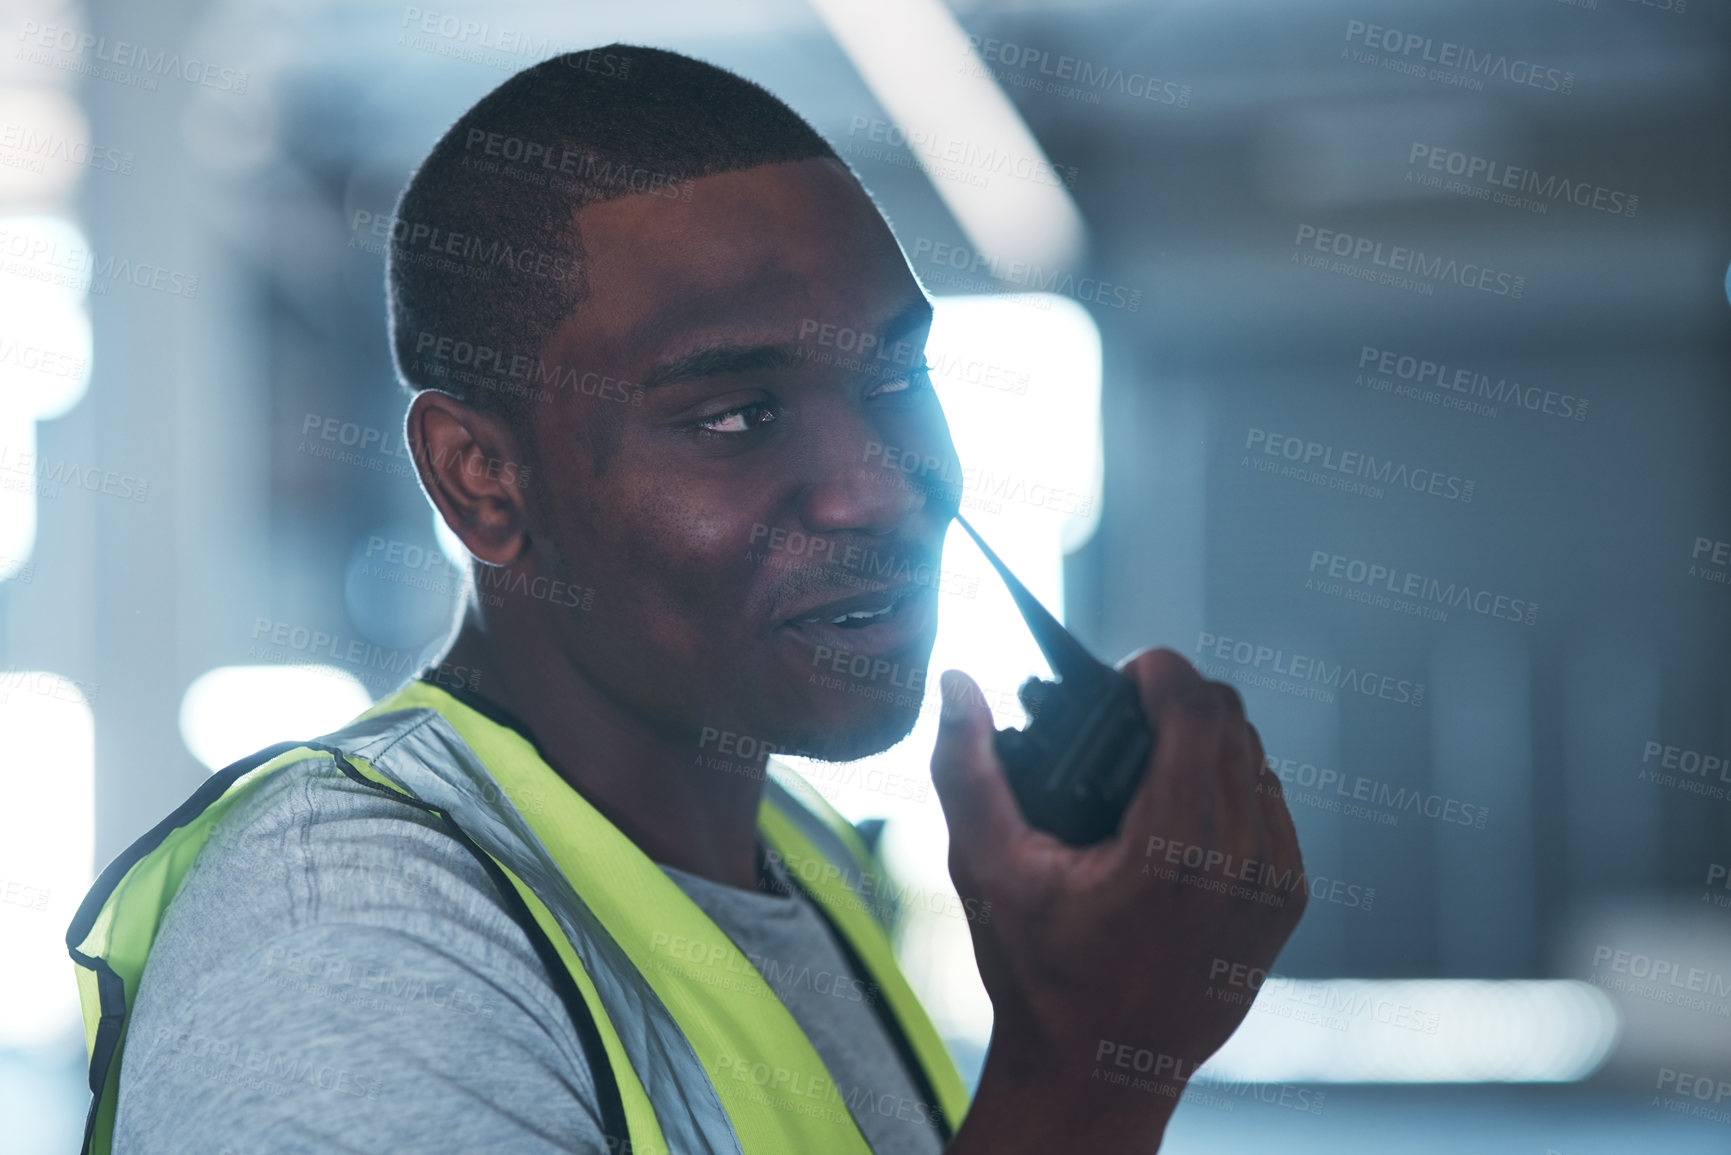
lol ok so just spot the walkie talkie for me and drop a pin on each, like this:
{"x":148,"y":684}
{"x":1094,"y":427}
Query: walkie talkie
{"x":1075,"y":765}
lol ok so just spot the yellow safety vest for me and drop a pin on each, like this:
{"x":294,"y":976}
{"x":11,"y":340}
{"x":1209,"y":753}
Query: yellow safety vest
{"x":691,"y":1051}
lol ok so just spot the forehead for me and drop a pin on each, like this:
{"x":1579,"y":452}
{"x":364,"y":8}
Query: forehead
{"x":759,"y":252}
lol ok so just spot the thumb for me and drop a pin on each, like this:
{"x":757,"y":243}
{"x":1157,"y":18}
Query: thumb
{"x":978,"y":806}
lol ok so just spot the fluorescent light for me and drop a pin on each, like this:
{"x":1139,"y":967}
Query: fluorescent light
{"x":44,"y":329}
{"x":231,"y":711}
{"x":47,"y":847}
{"x":18,"y":498}
{"x":919,"y":65}
{"x":46,"y":365}
{"x":1019,"y":378}
{"x":1419,"y":1031}
{"x":45,"y":369}
{"x":47,"y":255}
{"x":57,"y":134}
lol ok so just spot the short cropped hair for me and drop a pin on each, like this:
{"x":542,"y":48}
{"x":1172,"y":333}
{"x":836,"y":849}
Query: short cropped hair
{"x":485,"y":258}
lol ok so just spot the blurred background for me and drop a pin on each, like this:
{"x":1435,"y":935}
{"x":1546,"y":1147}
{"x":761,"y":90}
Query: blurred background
{"x":1372,"y":355}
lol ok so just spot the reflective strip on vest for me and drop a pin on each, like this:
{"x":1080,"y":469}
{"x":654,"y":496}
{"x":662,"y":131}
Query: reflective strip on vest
{"x":797,"y":822}
{"x":406,"y":747}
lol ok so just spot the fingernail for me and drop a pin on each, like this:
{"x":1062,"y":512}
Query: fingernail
{"x":951,"y":711}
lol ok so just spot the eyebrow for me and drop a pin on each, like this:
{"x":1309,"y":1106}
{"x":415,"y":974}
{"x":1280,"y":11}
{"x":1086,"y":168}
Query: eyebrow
{"x":721,"y":360}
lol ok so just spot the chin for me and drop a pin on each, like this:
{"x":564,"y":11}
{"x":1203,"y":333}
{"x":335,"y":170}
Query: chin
{"x":870,"y":728}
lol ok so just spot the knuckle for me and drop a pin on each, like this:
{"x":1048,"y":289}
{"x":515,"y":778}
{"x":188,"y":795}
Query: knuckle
{"x":1229,"y":697}
{"x":1202,"y":702}
{"x":1159,"y":671}
{"x":1156,"y":660}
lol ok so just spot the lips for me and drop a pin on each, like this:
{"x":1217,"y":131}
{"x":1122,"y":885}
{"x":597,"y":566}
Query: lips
{"x":876,"y":623}
{"x":854,"y":611}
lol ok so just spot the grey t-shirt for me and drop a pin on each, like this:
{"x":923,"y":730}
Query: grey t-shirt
{"x":337,"y":973}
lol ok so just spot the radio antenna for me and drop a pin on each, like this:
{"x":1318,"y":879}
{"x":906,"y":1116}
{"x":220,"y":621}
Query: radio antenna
{"x":1069,"y":658}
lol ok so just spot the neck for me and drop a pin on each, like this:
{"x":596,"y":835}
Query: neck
{"x":651,"y":787}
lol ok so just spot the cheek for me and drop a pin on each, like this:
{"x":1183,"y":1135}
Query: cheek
{"x":683,"y":571}
{"x":661,"y":528}
{"x":925,"y":430}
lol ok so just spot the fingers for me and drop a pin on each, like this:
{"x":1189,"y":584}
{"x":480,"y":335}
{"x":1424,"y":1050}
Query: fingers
{"x":1159,"y":675}
{"x":1207,"y":762}
{"x":1263,"y":780}
{"x":1162,"y":676}
{"x":1180,"y":789}
{"x":979,"y":808}
{"x":1240,"y":767}
{"x":1277,"y":821}
{"x":1279,"y":835}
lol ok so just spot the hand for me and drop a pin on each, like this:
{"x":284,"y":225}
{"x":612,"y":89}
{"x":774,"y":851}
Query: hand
{"x":1099,"y":959}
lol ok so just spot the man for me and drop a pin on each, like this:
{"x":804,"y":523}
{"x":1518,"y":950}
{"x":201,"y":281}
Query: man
{"x":523,"y":912}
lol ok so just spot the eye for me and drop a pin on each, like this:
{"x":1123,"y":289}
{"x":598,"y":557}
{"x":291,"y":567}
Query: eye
{"x":914,"y":381}
{"x":739,"y":419}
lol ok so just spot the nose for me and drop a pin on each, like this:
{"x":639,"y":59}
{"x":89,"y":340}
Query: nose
{"x":862,"y":484}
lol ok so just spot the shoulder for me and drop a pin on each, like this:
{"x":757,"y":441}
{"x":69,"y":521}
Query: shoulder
{"x":310,"y":846}
{"x":337,"y":954}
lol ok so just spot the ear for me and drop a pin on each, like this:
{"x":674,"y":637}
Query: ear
{"x":471,"y":466}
